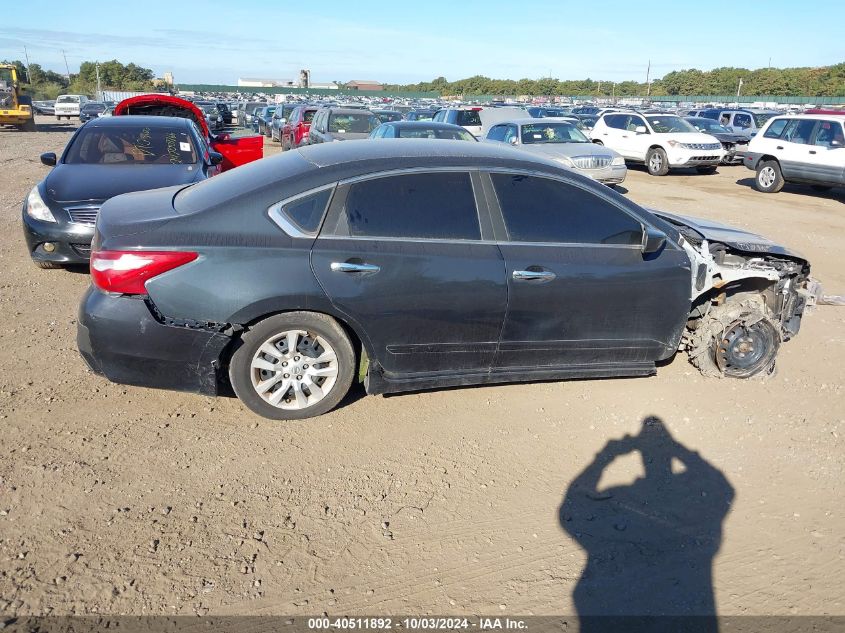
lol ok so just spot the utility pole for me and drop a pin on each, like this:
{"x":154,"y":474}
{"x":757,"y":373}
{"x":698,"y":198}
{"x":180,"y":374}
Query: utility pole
{"x":67,"y":68}
{"x":26,"y":56}
{"x":738,"y":89}
{"x":648,"y":80}
{"x":99,"y":90}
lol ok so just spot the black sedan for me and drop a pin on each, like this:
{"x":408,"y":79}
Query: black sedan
{"x":92,"y":110}
{"x":735,"y":144}
{"x":422,"y":129}
{"x":105,"y":158}
{"x":418,"y":264}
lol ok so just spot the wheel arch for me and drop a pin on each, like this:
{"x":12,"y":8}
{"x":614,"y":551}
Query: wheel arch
{"x":360,"y":342}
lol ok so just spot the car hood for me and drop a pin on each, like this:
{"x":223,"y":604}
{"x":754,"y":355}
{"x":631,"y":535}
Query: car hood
{"x":731,"y":137}
{"x":96,"y":183}
{"x":730,"y":236}
{"x":688,"y":137}
{"x":568,"y":149}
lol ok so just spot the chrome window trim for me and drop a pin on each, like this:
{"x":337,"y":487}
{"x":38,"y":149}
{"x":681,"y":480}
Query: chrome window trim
{"x":471,"y":242}
{"x":280,"y":219}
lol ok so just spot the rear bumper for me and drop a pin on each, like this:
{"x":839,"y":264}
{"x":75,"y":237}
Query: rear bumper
{"x":120,"y":338}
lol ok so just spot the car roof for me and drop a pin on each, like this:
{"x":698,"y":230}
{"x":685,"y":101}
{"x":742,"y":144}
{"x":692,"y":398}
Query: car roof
{"x":428,"y":125}
{"x":529,"y":120}
{"x":838,"y":117}
{"x":428,"y":151}
{"x":139,"y":119}
{"x":335,"y":110}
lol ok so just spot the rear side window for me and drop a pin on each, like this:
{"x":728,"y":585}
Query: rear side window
{"x":743,"y":121}
{"x":799,"y":131}
{"x":469,"y":117}
{"x":307,"y":212}
{"x":427,"y":206}
{"x":616,"y":121}
{"x":776,"y":128}
{"x":543,"y":210}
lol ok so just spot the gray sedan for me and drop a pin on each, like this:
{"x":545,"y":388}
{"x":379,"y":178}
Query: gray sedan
{"x":561,"y":141}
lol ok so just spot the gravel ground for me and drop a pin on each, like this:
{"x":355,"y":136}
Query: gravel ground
{"x":117,"y":499}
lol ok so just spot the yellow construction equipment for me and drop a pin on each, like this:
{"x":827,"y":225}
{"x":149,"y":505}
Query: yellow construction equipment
{"x":15,"y":108}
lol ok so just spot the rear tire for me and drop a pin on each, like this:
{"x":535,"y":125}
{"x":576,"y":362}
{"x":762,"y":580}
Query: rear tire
{"x":656,"y":162}
{"x":769,"y":178}
{"x":311,"y":387}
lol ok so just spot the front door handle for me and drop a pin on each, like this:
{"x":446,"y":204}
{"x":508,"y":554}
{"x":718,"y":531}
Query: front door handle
{"x":349,"y":267}
{"x":780,"y":146}
{"x":812,"y":151}
{"x":533,"y":275}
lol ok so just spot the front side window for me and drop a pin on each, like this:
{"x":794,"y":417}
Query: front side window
{"x":539,"y":210}
{"x":829,"y":134}
{"x":511,"y":134}
{"x":136,"y":144}
{"x":414,"y":206}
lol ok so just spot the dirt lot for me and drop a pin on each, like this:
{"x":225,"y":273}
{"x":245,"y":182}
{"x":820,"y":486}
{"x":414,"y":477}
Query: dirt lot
{"x":124,"y":500}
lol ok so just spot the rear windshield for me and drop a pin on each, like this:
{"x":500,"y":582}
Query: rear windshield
{"x":353,"y":122}
{"x":451,"y":135}
{"x":469,"y":117}
{"x":67,"y":99}
{"x":132,"y":144}
{"x":94,"y":107}
{"x":308,"y":116}
{"x":251,"y":107}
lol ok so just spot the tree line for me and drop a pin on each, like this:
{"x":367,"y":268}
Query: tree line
{"x":824,"y":81}
{"x":46,"y":84}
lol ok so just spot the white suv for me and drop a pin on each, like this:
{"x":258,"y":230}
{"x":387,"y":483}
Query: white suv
{"x":661,"y":141}
{"x":69,"y":106}
{"x":802,"y":148}
{"x":468,"y":118}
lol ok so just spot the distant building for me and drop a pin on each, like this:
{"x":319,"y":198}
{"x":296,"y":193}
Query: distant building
{"x":363,"y":84}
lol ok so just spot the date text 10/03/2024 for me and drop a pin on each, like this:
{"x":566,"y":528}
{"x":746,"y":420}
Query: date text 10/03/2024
{"x":416,"y":623}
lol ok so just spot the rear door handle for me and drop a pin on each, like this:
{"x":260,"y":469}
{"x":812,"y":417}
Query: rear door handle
{"x":812,"y":151}
{"x":780,"y":146}
{"x":349,"y":267}
{"x":533,"y":275}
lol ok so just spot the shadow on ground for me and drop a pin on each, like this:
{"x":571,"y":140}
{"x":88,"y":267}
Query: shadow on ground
{"x":650,"y":545}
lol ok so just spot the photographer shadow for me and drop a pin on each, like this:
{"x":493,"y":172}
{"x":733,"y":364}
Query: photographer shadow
{"x":650,"y":545}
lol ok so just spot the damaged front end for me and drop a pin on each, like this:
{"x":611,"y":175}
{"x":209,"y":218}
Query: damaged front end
{"x":747,"y":295}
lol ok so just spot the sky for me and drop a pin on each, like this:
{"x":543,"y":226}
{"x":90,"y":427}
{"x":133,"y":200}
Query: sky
{"x":407,"y":42}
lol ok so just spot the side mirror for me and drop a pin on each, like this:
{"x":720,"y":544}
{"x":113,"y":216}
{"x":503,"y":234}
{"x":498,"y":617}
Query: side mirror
{"x":514,"y":140}
{"x":48,"y":159}
{"x":641,"y":129}
{"x":653,"y":241}
{"x":834,"y":144}
{"x":215,"y":158}
{"x":282,"y":120}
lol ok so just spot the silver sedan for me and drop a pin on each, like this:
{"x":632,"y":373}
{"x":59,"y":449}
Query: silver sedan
{"x":561,"y":141}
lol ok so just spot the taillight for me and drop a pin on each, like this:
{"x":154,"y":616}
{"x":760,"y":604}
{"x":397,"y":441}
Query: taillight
{"x":126,"y":272}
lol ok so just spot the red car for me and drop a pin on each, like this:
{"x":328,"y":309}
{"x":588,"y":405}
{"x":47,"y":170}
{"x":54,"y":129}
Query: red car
{"x":295,"y":131}
{"x":236,"y":150}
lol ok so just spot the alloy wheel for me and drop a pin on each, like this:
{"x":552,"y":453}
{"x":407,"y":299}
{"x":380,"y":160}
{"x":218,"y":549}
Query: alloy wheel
{"x":766,"y":177}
